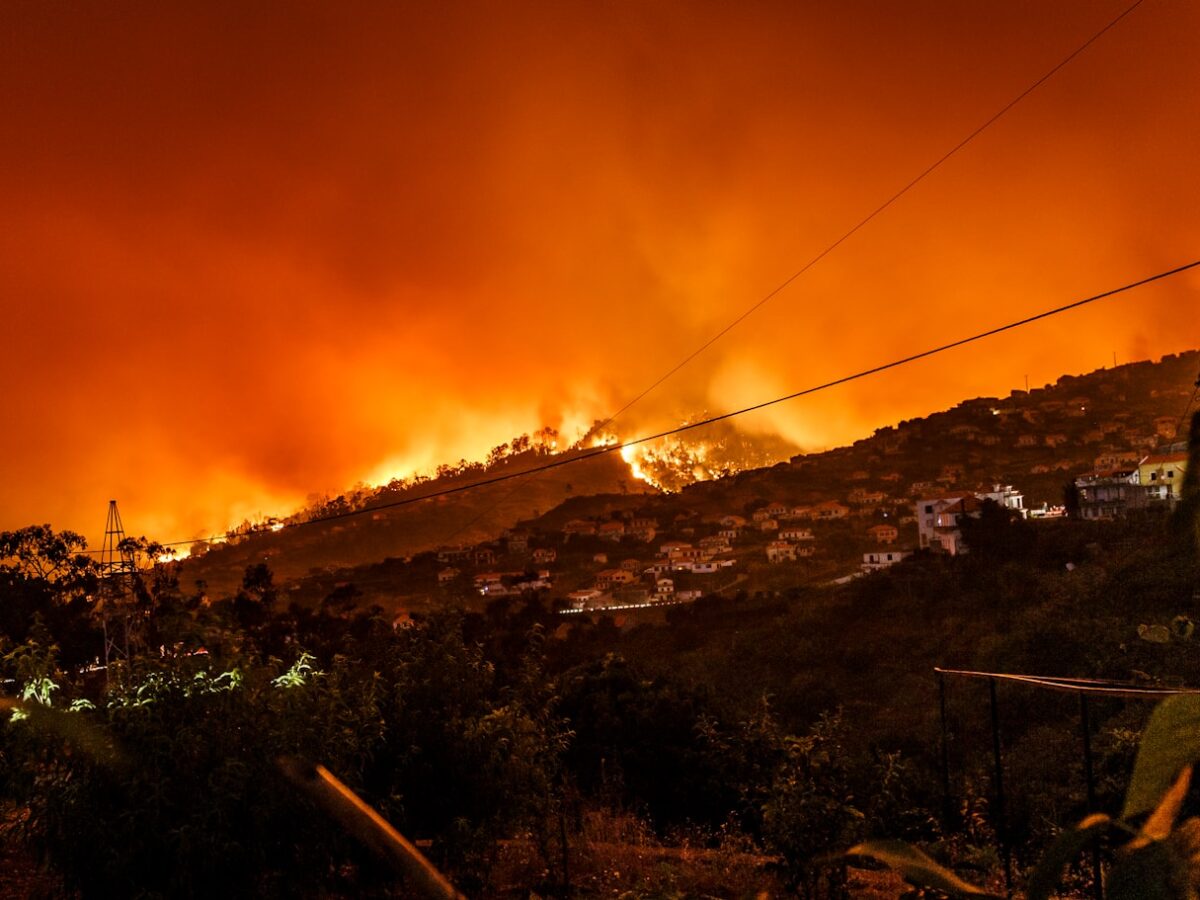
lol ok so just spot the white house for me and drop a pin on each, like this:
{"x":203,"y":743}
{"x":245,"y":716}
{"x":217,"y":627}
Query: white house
{"x":882,"y":559}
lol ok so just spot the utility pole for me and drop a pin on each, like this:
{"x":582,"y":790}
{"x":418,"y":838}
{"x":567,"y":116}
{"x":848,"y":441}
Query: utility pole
{"x":115,"y":606}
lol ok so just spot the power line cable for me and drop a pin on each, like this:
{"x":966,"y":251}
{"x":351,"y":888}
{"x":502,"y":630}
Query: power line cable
{"x":845,"y":379}
{"x":455,"y":532}
{"x":876,"y":212}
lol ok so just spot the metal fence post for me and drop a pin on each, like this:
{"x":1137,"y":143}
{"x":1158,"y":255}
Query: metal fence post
{"x":1089,"y":777}
{"x":946,"y":811}
{"x":1001,"y":825}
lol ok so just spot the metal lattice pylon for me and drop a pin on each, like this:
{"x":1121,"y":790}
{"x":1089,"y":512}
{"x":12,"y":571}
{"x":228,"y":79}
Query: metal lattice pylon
{"x":117,"y":573}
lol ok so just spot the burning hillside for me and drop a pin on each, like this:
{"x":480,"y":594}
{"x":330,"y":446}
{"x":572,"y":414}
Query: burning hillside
{"x":713,"y":451}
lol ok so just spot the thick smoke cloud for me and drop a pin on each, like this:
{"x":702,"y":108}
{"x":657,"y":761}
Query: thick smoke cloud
{"x":254,"y":252}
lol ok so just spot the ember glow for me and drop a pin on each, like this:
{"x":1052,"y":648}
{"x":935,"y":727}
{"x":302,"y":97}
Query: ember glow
{"x":257,"y":252}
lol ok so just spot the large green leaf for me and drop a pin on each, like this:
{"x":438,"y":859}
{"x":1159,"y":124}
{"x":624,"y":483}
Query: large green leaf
{"x":917,"y":868}
{"x":1159,"y":823}
{"x":1065,"y":848}
{"x":1171,"y":741}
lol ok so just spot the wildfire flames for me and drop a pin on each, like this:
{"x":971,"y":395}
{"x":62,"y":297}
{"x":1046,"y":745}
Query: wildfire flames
{"x":673,"y":463}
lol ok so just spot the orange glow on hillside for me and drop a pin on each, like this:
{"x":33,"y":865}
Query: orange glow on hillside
{"x":253,"y":254}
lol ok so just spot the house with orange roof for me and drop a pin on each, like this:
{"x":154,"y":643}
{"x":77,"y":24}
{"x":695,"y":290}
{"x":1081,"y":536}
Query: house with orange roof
{"x":937,"y":520}
{"x":796,"y":534}
{"x":830,"y":509}
{"x":610,"y":578}
{"x":611,"y":531}
{"x":883,"y":533}
{"x":1161,"y":474}
{"x":780,"y":551}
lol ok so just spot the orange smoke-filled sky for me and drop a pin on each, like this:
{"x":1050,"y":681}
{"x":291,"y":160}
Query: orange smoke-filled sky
{"x":253,"y":251}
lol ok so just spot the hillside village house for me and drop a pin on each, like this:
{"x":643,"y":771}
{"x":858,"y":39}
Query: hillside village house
{"x":862,"y":495}
{"x":445,"y":576}
{"x":780,"y":551}
{"x":883,"y":534}
{"x":544,"y":555}
{"x":1105,"y":495}
{"x":1162,"y":476}
{"x":585,"y":599}
{"x":882,"y":559}
{"x":1165,"y":426}
{"x":796,"y":534}
{"x":830,"y":509}
{"x":643,"y":528}
{"x":1006,"y":496}
{"x":950,"y":473}
{"x":1109,"y":462}
{"x":611,"y":531}
{"x":938,"y":517}
{"x":610,"y":578}
{"x":937,"y":520}
{"x":1155,"y":481}
{"x":484,"y":578}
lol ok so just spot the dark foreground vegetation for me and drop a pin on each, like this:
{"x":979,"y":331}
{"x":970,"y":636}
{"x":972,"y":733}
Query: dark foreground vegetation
{"x":746,"y":742}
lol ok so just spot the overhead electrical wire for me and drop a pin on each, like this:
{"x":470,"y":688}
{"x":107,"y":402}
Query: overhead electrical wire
{"x":594,"y":452}
{"x":874,"y":213}
{"x":775,"y":292}
{"x":835,"y":244}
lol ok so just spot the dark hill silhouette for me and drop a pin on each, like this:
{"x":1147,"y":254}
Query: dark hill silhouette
{"x":1037,"y":440}
{"x":380,"y":533}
